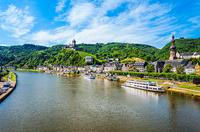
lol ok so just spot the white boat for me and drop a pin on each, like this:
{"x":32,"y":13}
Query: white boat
{"x":144,"y":85}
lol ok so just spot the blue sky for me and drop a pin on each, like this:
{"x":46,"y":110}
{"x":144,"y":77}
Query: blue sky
{"x":50,"y":22}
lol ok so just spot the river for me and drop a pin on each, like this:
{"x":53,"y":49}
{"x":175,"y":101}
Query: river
{"x":49,"y":103}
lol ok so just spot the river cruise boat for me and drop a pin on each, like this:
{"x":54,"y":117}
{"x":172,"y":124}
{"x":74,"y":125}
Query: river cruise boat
{"x":144,"y":85}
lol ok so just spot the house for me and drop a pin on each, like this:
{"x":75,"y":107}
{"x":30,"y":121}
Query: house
{"x":158,"y":66}
{"x":89,"y":60}
{"x":176,"y":63}
{"x":99,"y":69}
{"x":127,"y":67}
{"x":189,"y":68}
{"x":190,"y":55}
{"x":96,"y":68}
{"x":197,"y":69}
{"x":112,"y":66}
{"x":140,"y":66}
{"x":81,"y":69}
{"x":42,"y":68}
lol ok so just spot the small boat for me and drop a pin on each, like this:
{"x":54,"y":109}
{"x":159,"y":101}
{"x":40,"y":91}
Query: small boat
{"x":6,"y":84}
{"x":144,"y":85}
{"x":112,"y":78}
{"x":89,"y":76}
{"x":5,"y":87}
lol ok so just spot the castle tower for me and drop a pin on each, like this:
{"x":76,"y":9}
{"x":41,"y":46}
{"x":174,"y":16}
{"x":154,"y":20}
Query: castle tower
{"x":74,"y":43}
{"x":173,"y":50}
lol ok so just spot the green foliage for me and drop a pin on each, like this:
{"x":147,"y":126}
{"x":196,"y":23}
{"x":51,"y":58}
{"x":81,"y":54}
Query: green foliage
{"x":169,"y":76}
{"x":69,"y":57}
{"x":30,"y":56}
{"x":167,"y":68}
{"x":120,"y":50}
{"x":3,"y":74}
{"x":180,"y":70}
{"x":195,"y":60}
{"x":150,"y":68}
{"x":132,"y":60}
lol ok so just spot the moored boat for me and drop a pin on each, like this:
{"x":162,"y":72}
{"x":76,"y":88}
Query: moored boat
{"x":144,"y":85}
{"x":89,"y":76}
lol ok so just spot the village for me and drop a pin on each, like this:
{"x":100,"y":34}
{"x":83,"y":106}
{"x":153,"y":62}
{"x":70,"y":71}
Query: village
{"x":176,"y":61}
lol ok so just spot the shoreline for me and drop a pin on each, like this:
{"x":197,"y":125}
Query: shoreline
{"x":28,"y":70}
{"x":10,"y":90}
{"x":169,"y":89}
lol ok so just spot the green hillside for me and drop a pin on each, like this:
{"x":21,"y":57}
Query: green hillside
{"x":30,"y":56}
{"x":17,"y":53}
{"x":70,"y":57}
{"x":120,"y":50}
{"x":33,"y":59}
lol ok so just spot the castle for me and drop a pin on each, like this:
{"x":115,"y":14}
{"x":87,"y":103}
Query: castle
{"x":72,"y":45}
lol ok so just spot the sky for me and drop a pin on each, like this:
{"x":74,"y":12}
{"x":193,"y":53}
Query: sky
{"x":51,"y":22}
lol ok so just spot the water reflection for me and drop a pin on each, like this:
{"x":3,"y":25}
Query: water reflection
{"x":44,"y":102}
{"x":145,"y":95}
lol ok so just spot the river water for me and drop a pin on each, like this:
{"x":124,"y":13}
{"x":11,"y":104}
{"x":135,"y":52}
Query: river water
{"x":48,"y":103}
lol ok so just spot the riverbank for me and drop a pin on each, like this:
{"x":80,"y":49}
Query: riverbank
{"x":13,"y":82}
{"x":28,"y":70}
{"x":183,"y":88}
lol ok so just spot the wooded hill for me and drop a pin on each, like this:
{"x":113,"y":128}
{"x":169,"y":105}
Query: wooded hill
{"x":30,"y":56}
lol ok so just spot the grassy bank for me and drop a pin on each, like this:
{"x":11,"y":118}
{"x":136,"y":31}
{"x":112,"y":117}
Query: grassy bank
{"x":187,"y":92}
{"x":13,"y":76}
{"x":163,"y":76}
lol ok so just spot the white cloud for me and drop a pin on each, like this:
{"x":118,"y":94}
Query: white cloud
{"x":80,"y":13}
{"x":16,"y":21}
{"x":60,"y":5}
{"x":142,"y":22}
{"x":59,"y":35}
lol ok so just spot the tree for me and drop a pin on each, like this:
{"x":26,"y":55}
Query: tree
{"x":167,"y":68}
{"x":180,"y":70}
{"x":150,"y":68}
{"x":197,"y":68}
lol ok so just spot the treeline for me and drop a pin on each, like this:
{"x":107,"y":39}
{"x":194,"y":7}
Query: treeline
{"x":3,"y":73}
{"x":120,"y":51}
{"x":30,"y":56}
{"x":168,"y":76}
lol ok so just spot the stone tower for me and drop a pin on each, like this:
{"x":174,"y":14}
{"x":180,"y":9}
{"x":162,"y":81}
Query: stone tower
{"x":173,"y":50}
{"x":74,"y":43}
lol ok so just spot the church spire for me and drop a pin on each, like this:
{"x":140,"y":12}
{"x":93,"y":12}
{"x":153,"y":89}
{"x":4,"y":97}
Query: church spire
{"x":173,"y":40}
{"x":173,"y":49}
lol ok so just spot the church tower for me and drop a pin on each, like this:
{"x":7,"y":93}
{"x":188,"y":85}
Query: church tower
{"x":173,"y":50}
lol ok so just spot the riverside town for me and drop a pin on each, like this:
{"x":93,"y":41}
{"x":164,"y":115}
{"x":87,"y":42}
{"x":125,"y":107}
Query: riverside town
{"x":99,"y":66}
